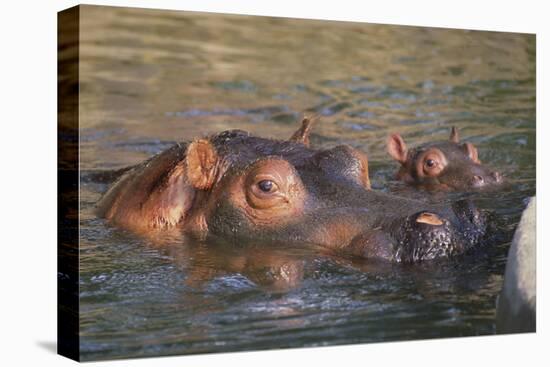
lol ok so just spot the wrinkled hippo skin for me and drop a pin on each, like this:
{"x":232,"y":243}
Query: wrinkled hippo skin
{"x":239,"y":188}
{"x":444,"y":165}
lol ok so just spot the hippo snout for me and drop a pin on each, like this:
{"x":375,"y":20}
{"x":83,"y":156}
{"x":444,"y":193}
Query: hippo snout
{"x":428,"y":235}
{"x":425,"y":235}
{"x":471,"y":223}
{"x":439,"y":232}
{"x":481,"y":180}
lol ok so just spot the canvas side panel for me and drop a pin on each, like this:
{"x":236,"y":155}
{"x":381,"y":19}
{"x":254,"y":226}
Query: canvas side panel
{"x":67,"y":183}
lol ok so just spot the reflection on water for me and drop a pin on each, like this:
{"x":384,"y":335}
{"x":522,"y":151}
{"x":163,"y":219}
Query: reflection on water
{"x":150,"y":78}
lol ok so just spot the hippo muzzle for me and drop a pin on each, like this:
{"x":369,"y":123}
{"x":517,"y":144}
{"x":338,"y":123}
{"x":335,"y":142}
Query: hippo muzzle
{"x":424,"y":235}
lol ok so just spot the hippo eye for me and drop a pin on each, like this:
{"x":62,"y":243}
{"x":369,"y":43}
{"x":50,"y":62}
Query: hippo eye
{"x":430,"y":163}
{"x":266,"y":186}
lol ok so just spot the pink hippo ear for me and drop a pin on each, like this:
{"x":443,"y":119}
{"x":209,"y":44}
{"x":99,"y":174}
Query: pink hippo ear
{"x":471,"y":151}
{"x":454,"y":135}
{"x":153,"y":194}
{"x":201,"y":159}
{"x":397,"y":148}
{"x":302,"y":134}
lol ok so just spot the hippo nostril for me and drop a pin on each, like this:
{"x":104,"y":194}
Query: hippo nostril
{"x":497,"y":176}
{"x":478,"y":180}
{"x":429,"y":218}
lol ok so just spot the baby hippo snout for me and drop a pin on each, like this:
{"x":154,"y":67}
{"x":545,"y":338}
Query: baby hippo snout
{"x":480,"y":180}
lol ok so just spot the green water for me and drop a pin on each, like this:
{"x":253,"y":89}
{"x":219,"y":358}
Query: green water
{"x":150,"y":78}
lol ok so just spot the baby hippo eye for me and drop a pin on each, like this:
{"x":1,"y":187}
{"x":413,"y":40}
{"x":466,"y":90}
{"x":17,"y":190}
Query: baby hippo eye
{"x":430,"y":163}
{"x":266,"y":186}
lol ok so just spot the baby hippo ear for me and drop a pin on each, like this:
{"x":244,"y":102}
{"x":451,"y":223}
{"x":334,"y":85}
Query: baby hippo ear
{"x":201,"y":162}
{"x":397,"y":148}
{"x":454,"y":135}
{"x":302,"y":134}
{"x":471,"y":151}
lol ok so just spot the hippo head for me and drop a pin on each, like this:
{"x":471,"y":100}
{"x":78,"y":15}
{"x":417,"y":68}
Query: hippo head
{"x":236,"y":187}
{"x":446,"y":165}
{"x":256,"y":188}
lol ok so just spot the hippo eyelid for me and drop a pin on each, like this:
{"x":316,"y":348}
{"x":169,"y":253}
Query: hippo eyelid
{"x":414,"y":153}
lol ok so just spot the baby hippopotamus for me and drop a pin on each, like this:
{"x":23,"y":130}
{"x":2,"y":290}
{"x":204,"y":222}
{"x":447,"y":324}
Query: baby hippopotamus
{"x":237,"y":188}
{"x":445,"y":165}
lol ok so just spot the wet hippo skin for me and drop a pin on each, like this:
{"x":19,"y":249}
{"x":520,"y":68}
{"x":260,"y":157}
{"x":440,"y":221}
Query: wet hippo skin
{"x":238,"y":188}
{"x":444,"y":165}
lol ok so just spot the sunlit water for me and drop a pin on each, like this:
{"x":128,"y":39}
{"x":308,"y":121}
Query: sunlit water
{"x":150,"y":78}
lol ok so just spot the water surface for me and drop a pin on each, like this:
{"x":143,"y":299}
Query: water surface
{"x":151,"y":78}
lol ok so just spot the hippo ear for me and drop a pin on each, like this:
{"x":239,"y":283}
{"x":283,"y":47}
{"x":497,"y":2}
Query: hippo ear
{"x":302,"y":134}
{"x":471,"y":151}
{"x":397,"y":148}
{"x":201,"y":159}
{"x":454,"y":135}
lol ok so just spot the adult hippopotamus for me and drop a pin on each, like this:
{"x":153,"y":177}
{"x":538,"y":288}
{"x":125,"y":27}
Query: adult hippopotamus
{"x":236,"y":187}
{"x":444,"y":165}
